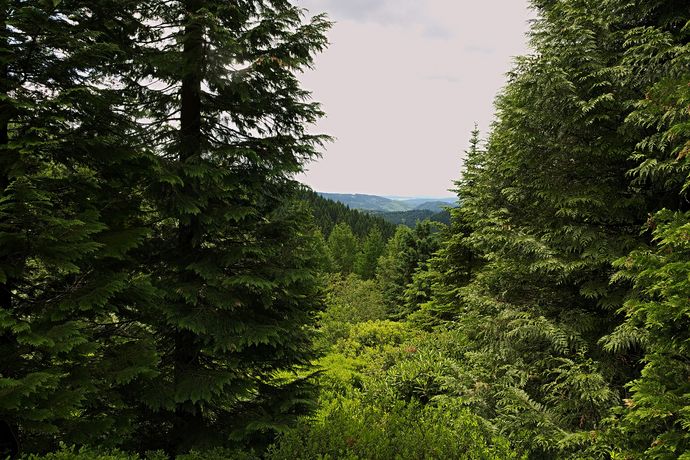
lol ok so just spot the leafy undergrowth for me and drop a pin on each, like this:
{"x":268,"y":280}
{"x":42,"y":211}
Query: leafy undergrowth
{"x":385,"y":395}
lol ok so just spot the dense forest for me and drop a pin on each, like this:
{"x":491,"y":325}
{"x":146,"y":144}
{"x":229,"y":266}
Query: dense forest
{"x":410,"y":218}
{"x":327,"y":214}
{"x":169,"y":290}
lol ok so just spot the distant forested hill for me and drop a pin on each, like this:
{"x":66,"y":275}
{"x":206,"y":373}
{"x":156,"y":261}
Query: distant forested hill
{"x":328,"y":213}
{"x":435,"y":206}
{"x":410,"y":218}
{"x":367,"y":202}
{"x":385,"y":204}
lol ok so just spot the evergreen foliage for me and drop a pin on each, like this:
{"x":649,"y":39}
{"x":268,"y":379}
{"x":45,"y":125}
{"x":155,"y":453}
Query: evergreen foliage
{"x":344,"y":248}
{"x":539,"y":303}
{"x":457,"y":260}
{"x":328,"y":213}
{"x":655,"y":422}
{"x":158,"y":276}
{"x":232,"y":257}
{"x":367,"y":259}
{"x":378,"y":381}
{"x":550,"y":209}
{"x":394,"y":271}
{"x":167,"y":289}
{"x":410,"y":218}
{"x":406,"y":253}
{"x":72,"y":216}
{"x":349,"y":300}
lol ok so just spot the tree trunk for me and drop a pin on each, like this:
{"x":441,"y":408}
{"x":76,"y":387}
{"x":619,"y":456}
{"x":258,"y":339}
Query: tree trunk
{"x":188,"y":415}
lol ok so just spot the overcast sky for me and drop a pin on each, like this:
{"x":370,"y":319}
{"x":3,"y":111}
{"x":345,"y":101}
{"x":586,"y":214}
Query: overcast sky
{"x":402,"y":84}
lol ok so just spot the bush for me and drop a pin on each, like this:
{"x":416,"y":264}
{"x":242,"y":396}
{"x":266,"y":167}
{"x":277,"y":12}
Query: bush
{"x":349,"y":301}
{"x":355,"y":428}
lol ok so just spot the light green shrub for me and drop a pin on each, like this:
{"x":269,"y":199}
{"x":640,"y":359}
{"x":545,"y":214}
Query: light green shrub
{"x":355,"y":428}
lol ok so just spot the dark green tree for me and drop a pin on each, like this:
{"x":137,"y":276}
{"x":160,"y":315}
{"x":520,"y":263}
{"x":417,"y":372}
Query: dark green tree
{"x":344,"y":248}
{"x":546,"y":210}
{"x":655,"y":420}
{"x":231,"y":253}
{"x":366,"y":261}
{"x":71,"y":219}
{"x":406,"y":253}
{"x":322,"y":250}
{"x":453,"y":266}
{"x":394,"y":269}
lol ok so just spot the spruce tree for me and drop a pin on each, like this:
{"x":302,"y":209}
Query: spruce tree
{"x":549,"y":208}
{"x":71,"y":218}
{"x":655,"y":421}
{"x":367,"y":259}
{"x":344,"y":248}
{"x":457,"y":260}
{"x":407,"y":252}
{"x":396,"y":267}
{"x":231,"y":254}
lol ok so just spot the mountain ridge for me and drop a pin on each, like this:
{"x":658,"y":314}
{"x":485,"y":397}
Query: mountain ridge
{"x":379,"y":203}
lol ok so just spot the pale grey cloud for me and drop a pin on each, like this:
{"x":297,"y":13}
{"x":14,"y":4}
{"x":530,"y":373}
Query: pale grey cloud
{"x":408,"y":13}
{"x":438,"y":31}
{"x":380,"y":11}
{"x":403,"y":83}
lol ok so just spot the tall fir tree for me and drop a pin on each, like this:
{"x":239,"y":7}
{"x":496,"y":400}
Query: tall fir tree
{"x":367,"y":259}
{"x":396,"y":267}
{"x":231,"y":254}
{"x":71,"y":218}
{"x":406,"y":253}
{"x":454,"y":265}
{"x":344,"y":248}
{"x":654,"y":423}
{"x":548,"y":208}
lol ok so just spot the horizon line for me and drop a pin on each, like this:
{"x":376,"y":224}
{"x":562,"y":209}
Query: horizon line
{"x":389,"y":196}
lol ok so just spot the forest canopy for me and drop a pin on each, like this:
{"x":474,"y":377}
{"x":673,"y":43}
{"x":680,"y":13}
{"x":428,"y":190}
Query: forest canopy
{"x":169,"y":290}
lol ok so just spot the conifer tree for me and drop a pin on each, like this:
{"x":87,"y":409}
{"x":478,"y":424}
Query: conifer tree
{"x":323,"y":252}
{"x":71,"y":216}
{"x":231,"y":253}
{"x":548,"y":209}
{"x":406,"y":253}
{"x":655,"y":420}
{"x":367,"y":259}
{"x":344,"y":248}
{"x":395,"y":268}
{"x":454,"y":265}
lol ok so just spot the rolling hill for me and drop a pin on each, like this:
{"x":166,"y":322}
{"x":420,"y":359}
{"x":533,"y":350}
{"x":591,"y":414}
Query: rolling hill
{"x":389,"y":204}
